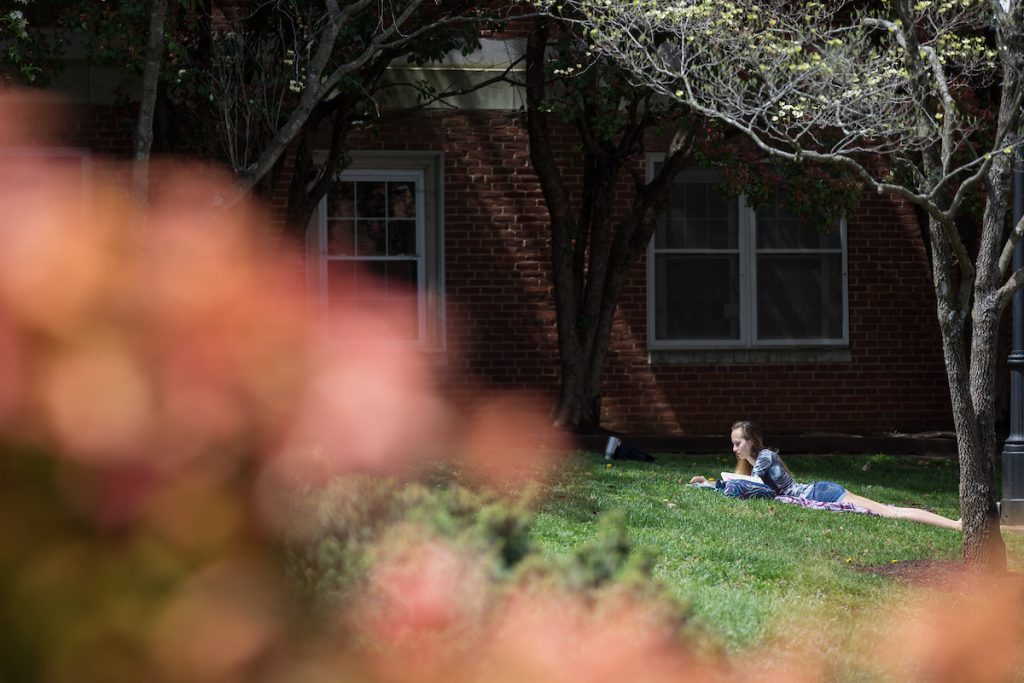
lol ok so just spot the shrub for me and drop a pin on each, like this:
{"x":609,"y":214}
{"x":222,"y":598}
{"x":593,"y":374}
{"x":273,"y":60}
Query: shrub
{"x":364,"y":523}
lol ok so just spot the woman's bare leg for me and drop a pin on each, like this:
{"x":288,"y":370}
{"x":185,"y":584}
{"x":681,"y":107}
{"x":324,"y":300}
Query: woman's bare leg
{"x":913,"y":514}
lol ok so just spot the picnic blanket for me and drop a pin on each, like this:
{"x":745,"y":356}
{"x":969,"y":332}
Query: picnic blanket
{"x":747,"y":489}
{"x":816,"y":505}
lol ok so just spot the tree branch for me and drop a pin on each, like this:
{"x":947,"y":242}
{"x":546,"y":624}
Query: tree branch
{"x":1011,"y":286}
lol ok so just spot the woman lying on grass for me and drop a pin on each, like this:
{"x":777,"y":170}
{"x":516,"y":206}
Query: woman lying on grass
{"x":747,"y":440}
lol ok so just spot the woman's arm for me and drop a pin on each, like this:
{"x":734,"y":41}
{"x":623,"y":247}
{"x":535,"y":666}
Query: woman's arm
{"x":772,"y":471}
{"x":699,"y":479}
{"x":762,"y":465}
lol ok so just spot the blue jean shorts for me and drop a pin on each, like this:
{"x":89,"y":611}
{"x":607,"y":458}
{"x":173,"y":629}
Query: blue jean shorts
{"x":825,"y":492}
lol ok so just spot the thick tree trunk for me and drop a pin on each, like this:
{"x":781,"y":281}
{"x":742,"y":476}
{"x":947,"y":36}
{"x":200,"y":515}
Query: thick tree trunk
{"x":583,"y":357}
{"x":579,"y":400}
{"x":591,"y":254}
{"x":569,"y":408}
{"x":611,"y":257}
{"x":982,"y":544}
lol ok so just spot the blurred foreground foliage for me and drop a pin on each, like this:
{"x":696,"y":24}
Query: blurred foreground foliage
{"x":201,"y":481}
{"x":358,"y":522}
{"x":198,"y":584}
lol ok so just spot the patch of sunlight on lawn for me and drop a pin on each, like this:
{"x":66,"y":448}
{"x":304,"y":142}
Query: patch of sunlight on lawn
{"x":755,"y":570}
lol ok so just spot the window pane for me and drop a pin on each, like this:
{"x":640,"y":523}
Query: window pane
{"x":392,"y":286}
{"x":693,"y":216}
{"x":341,"y":200}
{"x":697,"y":297}
{"x":401,"y":238}
{"x":800,"y":297}
{"x":381,"y":287}
{"x":369,"y":279}
{"x":402,"y":200}
{"x":380,"y":229}
{"x":775,"y":230}
{"x":721,"y":219}
{"x":340,"y":280}
{"x":371,"y":238}
{"x":339,"y":237}
{"x":779,"y":227}
{"x":370,"y":199}
{"x":390,"y":278}
{"x":403,"y":316}
{"x":698,"y":217}
{"x":402,"y":275}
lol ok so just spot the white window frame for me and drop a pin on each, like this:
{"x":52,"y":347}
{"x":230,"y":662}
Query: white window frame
{"x":748,"y":253}
{"x":425,"y":169}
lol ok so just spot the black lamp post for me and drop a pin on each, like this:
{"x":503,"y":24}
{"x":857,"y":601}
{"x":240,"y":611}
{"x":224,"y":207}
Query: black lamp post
{"x":1012,"y":505}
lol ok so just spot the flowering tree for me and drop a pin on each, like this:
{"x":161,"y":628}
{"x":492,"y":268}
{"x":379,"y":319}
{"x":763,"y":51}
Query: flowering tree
{"x":919,"y":98}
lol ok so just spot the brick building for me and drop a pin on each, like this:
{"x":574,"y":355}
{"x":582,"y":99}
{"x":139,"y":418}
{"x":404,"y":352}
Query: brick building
{"x":732,"y":314}
{"x":881,"y":371}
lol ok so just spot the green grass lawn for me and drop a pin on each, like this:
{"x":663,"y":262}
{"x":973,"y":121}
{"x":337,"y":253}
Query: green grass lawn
{"x":752,"y":570}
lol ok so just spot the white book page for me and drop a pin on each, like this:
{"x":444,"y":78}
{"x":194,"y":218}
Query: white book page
{"x":726,"y":476}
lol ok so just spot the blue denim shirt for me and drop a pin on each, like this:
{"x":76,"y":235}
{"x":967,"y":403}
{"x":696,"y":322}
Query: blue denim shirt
{"x":769,"y":467}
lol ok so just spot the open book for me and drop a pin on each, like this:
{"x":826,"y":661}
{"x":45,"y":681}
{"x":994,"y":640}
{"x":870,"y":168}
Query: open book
{"x":727,"y":476}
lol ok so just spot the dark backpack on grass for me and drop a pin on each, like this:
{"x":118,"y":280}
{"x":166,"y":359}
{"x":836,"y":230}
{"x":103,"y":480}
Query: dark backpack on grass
{"x":630,"y":451}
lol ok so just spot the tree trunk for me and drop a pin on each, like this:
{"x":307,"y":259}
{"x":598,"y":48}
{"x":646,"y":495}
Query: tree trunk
{"x":982,"y":544}
{"x":582,"y":354}
{"x":150,"y":82}
{"x":591,"y":254}
{"x":579,"y":400}
{"x":569,"y":408}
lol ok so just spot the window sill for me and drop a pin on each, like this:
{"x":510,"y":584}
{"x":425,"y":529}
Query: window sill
{"x":748,"y":356}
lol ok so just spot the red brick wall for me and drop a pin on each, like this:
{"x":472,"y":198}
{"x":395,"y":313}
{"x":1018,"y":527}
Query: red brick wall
{"x":894,"y":381}
{"x":501,"y":329}
{"x":104,"y":130}
{"x":501,"y":325}
{"x":500,"y":316}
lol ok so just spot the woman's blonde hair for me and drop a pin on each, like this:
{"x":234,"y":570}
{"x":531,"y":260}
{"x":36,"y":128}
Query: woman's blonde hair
{"x":752,"y":433}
